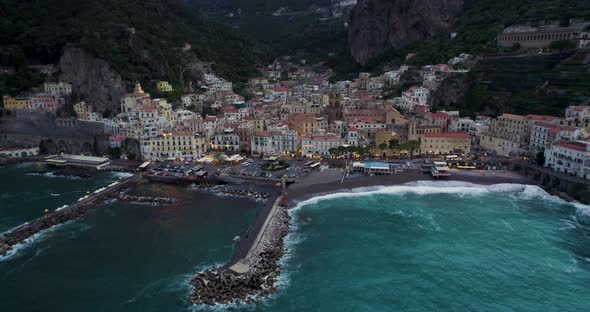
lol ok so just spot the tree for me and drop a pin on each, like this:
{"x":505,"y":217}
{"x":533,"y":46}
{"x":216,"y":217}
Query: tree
{"x":411,"y":146}
{"x":393,"y":144}
{"x":115,"y":153}
{"x":540,"y":158}
{"x":333,"y":151}
{"x":515,"y":47}
{"x":562,"y":45}
{"x":383,"y":147}
{"x":564,"y":21}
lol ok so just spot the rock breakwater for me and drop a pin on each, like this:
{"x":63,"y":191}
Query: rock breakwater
{"x":220,"y":190}
{"x":222,"y":285}
{"x":18,"y":235}
{"x":61,"y":215}
{"x":146,"y":199}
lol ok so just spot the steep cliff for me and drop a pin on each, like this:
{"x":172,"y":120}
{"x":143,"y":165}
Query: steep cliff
{"x":379,"y":25}
{"x":452,"y":92}
{"x":93,"y":79}
{"x":141,"y":40}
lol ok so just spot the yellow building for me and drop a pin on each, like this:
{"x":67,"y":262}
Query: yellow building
{"x":178,"y":145}
{"x":82,"y":110}
{"x":134,"y":101}
{"x":508,"y":134}
{"x":11,"y":103}
{"x":383,"y":137}
{"x":306,"y":124}
{"x":445,"y":143}
{"x":164,"y":86}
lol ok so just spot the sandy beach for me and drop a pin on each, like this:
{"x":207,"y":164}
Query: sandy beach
{"x":329,"y":181}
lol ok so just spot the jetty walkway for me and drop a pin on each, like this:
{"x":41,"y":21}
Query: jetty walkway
{"x":250,"y":243}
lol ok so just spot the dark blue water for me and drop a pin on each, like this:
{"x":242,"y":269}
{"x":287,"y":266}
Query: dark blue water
{"x":125,"y":257}
{"x":24,"y":197}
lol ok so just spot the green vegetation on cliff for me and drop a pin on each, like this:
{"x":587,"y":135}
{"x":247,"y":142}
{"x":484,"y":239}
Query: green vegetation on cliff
{"x":535,"y":84}
{"x":484,"y":19}
{"x":142,"y":39}
{"x":306,"y":29}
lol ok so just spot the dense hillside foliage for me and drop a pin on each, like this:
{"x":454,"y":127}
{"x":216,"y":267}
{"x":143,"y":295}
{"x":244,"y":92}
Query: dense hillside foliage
{"x":486,"y":18}
{"x":257,"y":6}
{"x":535,"y":84}
{"x":309,"y":29}
{"x":142,"y":39}
{"x":526,"y":84}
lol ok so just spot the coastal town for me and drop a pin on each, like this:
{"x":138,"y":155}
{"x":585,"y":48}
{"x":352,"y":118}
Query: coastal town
{"x":293,"y":111}
{"x":401,"y":156}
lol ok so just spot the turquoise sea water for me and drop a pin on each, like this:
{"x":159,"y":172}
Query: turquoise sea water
{"x":422,"y":247}
{"x":438,"y":247}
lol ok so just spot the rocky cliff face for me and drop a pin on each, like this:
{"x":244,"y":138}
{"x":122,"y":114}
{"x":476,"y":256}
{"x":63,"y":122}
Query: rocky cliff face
{"x":379,"y":25}
{"x":451,"y":93}
{"x":92,"y":79}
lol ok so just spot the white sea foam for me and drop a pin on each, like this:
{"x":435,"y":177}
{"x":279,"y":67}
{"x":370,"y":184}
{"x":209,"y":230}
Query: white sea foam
{"x":419,"y":188}
{"x":54,"y":194}
{"x":582,"y":209}
{"x":62,"y":207}
{"x":36,"y":238}
{"x":123,"y":175}
{"x":448,"y":187}
{"x":51,"y":175}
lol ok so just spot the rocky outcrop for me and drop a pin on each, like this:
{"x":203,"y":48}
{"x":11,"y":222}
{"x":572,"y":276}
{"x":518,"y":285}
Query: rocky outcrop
{"x":93,"y":79}
{"x":379,"y":25}
{"x":451,"y":93}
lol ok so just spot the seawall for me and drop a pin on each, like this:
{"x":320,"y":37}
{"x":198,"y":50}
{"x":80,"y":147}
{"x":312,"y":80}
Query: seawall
{"x":253,"y":272}
{"x":20,"y":233}
{"x":52,"y":134}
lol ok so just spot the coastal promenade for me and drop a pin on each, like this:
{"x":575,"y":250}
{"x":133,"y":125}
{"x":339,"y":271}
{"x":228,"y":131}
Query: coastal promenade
{"x":75,"y":210}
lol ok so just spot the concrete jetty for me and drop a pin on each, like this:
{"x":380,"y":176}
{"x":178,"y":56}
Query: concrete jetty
{"x":61,"y":215}
{"x":255,"y":268}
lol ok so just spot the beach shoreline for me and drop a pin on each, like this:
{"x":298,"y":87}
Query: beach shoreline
{"x":329,"y":181}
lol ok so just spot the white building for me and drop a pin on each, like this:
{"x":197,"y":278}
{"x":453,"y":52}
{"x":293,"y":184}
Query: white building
{"x":461,"y":125}
{"x":178,"y":145}
{"x":226,"y":141}
{"x":572,"y":158}
{"x":319,"y":145}
{"x":58,"y":88}
{"x":274,"y":143}
{"x":543,"y":135}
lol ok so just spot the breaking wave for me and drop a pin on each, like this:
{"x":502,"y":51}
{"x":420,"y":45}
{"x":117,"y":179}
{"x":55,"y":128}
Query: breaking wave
{"x":123,"y":175}
{"x":448,"y":187}
{"x":52,"y":175}
{"x":517,"y":191}
{"x":36,"y":238}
